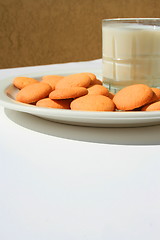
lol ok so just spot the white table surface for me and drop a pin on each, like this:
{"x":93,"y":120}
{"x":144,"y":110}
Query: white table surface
{"x":63,"y":182}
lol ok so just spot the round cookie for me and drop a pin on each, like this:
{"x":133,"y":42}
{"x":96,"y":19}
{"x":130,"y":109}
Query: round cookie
{"x":94,"y":80}
{"x":21,"y":82}
{"x":157,"y":92}
{"x":65,"y":93}
{"x":74,"y":80}
{"x":52,"y":80}
{"x":111,"y":95}
{"x":156,"y":95}
{"x":91,"y":75}
{"x":98,"y":90}
{"x":93,"y":103}
{"x":48,"y":103}
{"x":133,"y":96}
{"x":151,"y":107}
{"x":34,"y":92}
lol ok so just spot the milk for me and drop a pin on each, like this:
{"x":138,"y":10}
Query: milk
{"x":131,"y":54}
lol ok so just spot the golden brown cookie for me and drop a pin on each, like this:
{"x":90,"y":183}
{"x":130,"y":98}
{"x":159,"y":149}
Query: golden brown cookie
{"x":33,"y":92}
{"x":65,"y":93}
{"x":21,"y":82}
{"x":111,"y":95}
{"x":74,"y":80}
{"x":132,"y":97}
{"x":97,"y":81}
{"x":151,"y":107}
{"x":94,"y":80}
{"x":48,"y":103}
{"x":93,"y":103}
{"x":91,"y":75}
{"x":98,"y":90}
{"x":156,"y":95}
{"x":52,"y":80}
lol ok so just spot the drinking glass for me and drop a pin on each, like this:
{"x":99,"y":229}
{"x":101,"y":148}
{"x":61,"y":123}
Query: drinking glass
{"x":131,"y":52}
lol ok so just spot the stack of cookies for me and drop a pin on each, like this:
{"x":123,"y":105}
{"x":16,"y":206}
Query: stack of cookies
{"x":84,"y":92}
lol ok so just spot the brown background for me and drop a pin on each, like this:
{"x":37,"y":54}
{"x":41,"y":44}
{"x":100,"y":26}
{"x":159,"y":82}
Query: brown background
{"x":36,"y":32}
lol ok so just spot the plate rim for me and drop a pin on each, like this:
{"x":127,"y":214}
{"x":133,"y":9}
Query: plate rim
{"x":10,"y":103}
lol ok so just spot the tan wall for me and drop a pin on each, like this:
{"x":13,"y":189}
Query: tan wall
{"x":36,"y":32}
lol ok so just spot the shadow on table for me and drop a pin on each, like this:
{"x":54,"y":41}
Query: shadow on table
{"x":122,"y":136}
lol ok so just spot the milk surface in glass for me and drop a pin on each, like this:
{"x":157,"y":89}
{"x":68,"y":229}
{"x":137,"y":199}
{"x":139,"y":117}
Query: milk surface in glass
{"x":131,"y":54}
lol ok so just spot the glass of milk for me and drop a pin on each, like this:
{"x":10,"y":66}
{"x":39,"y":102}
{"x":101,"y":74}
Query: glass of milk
{"x":131,"y":52}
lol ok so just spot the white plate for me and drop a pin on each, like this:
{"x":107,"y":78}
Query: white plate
{"x":96,"y":119}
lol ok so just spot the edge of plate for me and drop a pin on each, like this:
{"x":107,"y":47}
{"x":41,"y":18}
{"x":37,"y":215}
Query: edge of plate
{"x":9,"y":103}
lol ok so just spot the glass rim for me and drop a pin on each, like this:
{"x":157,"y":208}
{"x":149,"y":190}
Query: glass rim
{"x":129,"y":19}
